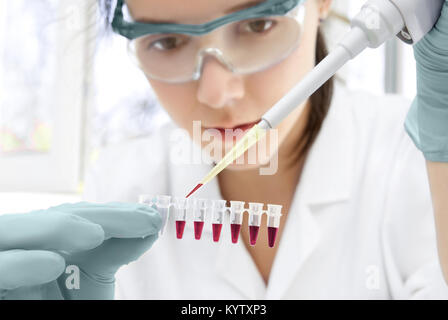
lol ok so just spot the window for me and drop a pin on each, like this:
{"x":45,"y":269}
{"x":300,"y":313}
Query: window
{"x":43,"y":45}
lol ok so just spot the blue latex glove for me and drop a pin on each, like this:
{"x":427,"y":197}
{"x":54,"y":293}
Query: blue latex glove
{"x":427,"y":121}
{"x":36,"y":248}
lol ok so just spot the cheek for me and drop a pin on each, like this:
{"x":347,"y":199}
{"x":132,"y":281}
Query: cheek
{"x":271,"y":85}
{"x":178,"y":100}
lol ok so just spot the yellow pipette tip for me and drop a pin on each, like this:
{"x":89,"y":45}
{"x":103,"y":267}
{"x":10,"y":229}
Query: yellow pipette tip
{"x":249,"y":139}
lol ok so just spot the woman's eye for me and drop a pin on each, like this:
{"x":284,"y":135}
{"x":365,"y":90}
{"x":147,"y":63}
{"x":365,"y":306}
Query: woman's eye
{"x":167,"y":43}
{"x":259,"y":26}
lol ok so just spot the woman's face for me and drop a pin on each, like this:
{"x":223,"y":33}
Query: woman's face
{"x":221,"y":99}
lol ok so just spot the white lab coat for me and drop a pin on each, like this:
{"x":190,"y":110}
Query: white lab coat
{"x":360,"y":225}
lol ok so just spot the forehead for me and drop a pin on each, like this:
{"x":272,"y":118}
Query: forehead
{"x":184,"y":11}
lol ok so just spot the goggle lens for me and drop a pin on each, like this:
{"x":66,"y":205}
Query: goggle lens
{"x":245,"y":46}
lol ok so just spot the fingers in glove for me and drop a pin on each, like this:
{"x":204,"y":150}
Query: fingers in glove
{"x":113,"y":253}
{"x":119,"y":220}
{"x":20,"y":268}
{"x":49,"y":230}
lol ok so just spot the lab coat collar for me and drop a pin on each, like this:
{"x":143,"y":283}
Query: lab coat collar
{"x":328,"y":172}
{"x":299,"y":239}
{"x":327,"y":178}
{"x":236,"y":266}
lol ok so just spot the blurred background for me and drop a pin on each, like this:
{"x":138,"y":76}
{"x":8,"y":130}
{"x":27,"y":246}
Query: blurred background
{"x":68,"y":88}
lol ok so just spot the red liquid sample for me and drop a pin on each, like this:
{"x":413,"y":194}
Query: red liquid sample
{"x":253,"y":234}
{"x":194,"y":190}
{"x":216,"y":231}
{"x":272,"y":234}
{"x":235,"y":232}
{"x":180,"y":226}
{"x":198,"y":226}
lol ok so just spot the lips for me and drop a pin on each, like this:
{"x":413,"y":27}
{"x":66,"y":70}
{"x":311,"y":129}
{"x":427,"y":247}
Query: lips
{"x":236,"y":131}
{"x":241,"y":127}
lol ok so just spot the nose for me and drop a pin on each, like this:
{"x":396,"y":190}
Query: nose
{"x":218,"y":86}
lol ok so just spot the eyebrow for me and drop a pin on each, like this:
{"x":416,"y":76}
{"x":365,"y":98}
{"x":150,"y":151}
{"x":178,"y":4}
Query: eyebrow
{"x":236,"y":8}
{"x":243,"y":6}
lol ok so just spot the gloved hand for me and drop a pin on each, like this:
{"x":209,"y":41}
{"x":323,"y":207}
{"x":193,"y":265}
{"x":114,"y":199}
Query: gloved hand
{"x":427,"y":121}
{"x":36,"y":248}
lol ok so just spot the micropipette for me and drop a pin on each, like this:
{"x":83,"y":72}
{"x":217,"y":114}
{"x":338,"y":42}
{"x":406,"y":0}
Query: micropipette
{"x":378,"y":21}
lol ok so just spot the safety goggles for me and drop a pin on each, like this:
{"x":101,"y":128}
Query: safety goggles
{"x":246,"y":41}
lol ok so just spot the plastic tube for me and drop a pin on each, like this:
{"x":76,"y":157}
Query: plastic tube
{"x":274,"y":215}
{"x":163,"y":206}
{"x":199,"y":217}
{"x":236,"y":219}
{"x":180,"y":215}
{"x":218,"y":212}
{"x":255,"y":213}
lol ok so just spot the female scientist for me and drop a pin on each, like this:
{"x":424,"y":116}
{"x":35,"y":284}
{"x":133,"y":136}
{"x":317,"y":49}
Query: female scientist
{"x":357,"y":208}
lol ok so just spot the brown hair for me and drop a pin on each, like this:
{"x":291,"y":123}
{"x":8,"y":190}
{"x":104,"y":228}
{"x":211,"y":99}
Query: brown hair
{"x":320,"y":102}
